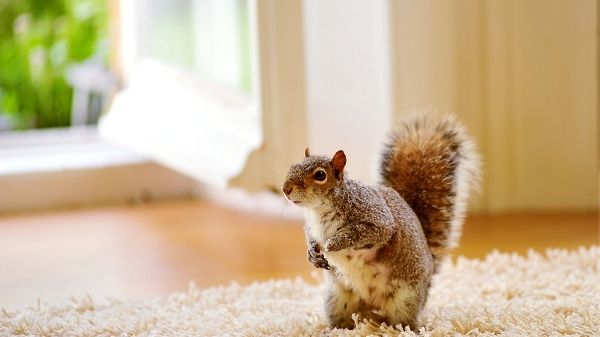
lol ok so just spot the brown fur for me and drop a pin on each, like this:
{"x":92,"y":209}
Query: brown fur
{"x":423,"y":162}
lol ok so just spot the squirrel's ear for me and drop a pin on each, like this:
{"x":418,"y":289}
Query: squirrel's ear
{"x":306,"y":152}
{"x":338,"y":162}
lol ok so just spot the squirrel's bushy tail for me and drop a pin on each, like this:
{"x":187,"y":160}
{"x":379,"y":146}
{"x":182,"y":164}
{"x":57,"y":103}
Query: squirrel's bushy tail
{"x":433,"y":165}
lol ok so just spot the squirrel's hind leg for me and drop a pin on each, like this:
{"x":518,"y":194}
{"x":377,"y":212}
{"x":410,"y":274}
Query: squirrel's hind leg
{"x":340,"y":304}
{"x":400,"y":309}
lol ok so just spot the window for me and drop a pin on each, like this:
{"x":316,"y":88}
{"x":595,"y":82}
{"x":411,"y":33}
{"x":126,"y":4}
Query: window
{"x":210,"y":38}
{"x":52,"y":63}
{"x":203,"y":82}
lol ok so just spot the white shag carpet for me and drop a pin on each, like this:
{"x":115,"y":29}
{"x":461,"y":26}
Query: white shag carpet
{"x":553,"y":294}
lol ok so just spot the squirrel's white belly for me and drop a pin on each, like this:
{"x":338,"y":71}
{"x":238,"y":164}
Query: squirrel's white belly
{"x":357,"y":270}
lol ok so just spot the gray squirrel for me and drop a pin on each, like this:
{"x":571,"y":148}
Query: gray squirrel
{"x":382,"y":244}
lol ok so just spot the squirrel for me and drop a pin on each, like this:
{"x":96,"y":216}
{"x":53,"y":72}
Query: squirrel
{"x":381,"y":245}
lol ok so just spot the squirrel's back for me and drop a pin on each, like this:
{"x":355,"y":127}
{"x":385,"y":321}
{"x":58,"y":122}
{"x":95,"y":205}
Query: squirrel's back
{"x":433,"y":165}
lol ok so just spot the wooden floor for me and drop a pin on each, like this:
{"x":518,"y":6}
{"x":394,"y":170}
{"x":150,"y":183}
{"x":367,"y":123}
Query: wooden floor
{"x":141,"y":251}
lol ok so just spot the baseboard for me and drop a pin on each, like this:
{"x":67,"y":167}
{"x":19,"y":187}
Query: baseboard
{"x":74,"y":167}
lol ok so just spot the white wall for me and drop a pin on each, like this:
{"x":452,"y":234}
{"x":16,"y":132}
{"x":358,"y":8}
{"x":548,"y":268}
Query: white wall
{"x":347,"y":78}
{"x":522,"y":75}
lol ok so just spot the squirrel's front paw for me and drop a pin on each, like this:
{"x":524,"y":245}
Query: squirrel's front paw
{"x":317,"y":258}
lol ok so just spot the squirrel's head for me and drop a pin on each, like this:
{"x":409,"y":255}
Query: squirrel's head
{"x":313,"y":178}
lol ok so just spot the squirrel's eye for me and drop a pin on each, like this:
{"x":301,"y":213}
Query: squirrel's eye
{"x":320,"y":175}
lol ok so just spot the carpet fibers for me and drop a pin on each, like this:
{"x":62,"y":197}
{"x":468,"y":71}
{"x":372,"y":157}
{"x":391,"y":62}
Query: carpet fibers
{"x":551,"y":294}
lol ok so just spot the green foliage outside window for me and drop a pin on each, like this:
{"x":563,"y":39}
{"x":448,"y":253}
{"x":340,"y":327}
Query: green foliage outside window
{"x":39,"y":40}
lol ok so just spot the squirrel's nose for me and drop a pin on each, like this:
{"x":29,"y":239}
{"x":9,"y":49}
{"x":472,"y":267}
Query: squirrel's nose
{"x":287,"y":189}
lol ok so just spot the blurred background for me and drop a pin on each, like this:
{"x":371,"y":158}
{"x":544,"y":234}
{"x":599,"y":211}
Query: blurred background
{"x":143,"y":143}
